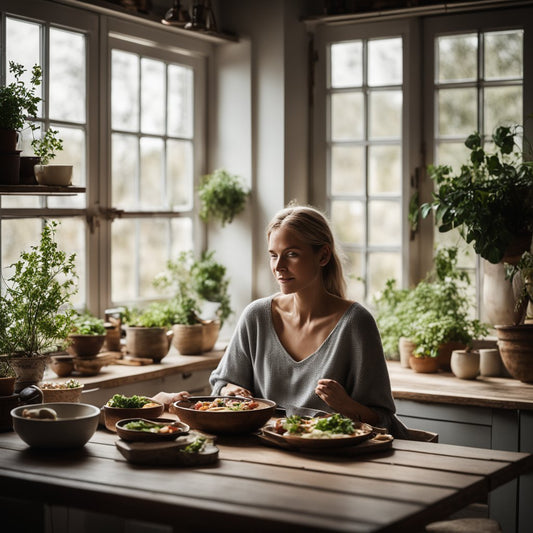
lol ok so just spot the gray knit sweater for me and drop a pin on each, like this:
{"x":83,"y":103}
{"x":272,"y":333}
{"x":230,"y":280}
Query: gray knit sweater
{"x":352,"y":355}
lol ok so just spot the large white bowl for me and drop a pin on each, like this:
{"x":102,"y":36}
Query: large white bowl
{"x":76,"y":423}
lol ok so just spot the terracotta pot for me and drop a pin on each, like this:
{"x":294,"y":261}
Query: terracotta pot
{"x":29,"y":370}
{"x":516,"y":348}
{"x":424,"y":365}
{"x":71,"y":395}
{"x":445,"y":353}
{"x":7,"y":386}
{"x":188,"y":340}
{"x":406,"y":347}
{"x":62,"y":365}
{"x":148,"y":342}
{"x":465,"y":365}
{"x":210,"y":334}
{"x":85,"y":345}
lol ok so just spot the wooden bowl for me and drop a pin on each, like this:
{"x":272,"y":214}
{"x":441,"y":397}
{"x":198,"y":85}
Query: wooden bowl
{"x":62,"y":365}
{"x":136,"y":435}
{"x":113,"y":414}
{"x":224,"y":422}
{"x":85,"y":345}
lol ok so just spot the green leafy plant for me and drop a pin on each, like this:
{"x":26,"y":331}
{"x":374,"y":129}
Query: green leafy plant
{"x":87,"y":324}
{"x":202,"y":279}
{"x":6,"y":370}
{"x":491,"y":200}
{"x":35,"y":313}
{"x":222,"y":196}
{"x":179,"y":310}
{"x":46,"y":146}
{"x":17,"y":101}
{"x":436,"y":311}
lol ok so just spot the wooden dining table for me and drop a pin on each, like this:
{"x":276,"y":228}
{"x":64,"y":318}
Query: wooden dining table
{"x":257,"y":487}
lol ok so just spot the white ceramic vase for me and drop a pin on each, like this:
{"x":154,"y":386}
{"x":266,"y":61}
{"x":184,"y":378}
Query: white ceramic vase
{"x":465,"y":365}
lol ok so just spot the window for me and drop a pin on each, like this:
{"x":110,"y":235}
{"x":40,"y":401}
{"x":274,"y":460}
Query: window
{"x":130,"y":108}
{"x":393,"y":97}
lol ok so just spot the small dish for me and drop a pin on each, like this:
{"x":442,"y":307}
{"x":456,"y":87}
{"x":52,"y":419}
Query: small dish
{"x":137,"y":435}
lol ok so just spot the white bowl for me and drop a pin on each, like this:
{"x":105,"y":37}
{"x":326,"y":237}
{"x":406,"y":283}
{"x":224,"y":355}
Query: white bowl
{"x":60,"y":175}
{"x":76,"y":423}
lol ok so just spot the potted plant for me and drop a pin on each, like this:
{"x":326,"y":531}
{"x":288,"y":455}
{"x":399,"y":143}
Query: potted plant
{"x":148,"y":331}
{"x":222,"y":197}
{"x":434,"y":315}
{"x":45,"y":148}
{"x":35,"y":313}
{"x":87,"y":335}
{"x":188,"y":331}
{"x":17,"y":102}
{"x":490,"y":202}
{"x":7,"y":377}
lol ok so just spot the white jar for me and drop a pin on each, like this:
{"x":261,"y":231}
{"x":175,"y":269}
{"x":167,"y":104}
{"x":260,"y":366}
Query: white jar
{"x":465,"y":365}
{"x":490,"y":362}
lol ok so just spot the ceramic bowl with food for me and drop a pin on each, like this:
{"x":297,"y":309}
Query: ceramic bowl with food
{"x":55,"y":425}
{"x":120,"y":407}
{"x":145,"y":430}
{"x":224,"y":414}
{"x":68,"y":391}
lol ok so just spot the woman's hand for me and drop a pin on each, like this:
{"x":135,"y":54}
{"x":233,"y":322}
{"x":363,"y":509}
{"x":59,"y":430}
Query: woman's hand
{"x":333,"y":393}
{"x":168,"y":398}
{"x":235,"y":390}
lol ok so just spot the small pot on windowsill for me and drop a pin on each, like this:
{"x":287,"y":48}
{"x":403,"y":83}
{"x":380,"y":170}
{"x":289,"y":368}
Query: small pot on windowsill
{"x":52,"y":174}
{"x":27,"y":173}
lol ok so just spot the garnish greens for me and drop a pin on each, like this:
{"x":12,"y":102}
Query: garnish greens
{"x":292,"y":424}
{"x":195,"y":447}
{"x":119,"y":400}
{"x":336,"y":423}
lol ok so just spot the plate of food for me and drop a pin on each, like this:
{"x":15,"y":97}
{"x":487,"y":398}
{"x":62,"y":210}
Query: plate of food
{"x":224,"y":414}
{"x":333,"y":431}
{"x":145,"y":430}
{"x":120,"y":407}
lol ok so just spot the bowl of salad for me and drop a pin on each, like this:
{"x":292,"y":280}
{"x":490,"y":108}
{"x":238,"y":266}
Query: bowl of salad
{"x":120,"y":407}
{"x":224,"y":414}
{"x":145,"y":430}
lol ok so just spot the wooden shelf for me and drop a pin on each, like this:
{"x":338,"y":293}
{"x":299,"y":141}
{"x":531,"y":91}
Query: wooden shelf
{"x":40,"y":190}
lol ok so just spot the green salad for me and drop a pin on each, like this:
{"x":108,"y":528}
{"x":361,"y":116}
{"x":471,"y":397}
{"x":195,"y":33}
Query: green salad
{"x":132,"y":402}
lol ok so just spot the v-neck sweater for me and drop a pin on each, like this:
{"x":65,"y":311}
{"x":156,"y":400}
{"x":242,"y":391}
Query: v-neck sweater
{"x":352,"y":355}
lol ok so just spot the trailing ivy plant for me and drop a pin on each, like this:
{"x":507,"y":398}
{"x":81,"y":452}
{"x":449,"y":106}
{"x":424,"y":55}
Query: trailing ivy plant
{"x":436,"y":311}
{"x":490,"y":201}
{"x":222,"y":196}
{"x":35,"y":312}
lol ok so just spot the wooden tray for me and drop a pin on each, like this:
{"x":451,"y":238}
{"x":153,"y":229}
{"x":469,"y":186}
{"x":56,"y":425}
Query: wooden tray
{"x":167,"y":453}
{"x":375,"y":444}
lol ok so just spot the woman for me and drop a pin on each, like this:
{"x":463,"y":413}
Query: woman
{"x":308,"y":346}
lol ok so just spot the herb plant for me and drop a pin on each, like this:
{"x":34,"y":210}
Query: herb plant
{"x":47,"y":146}
{"x":87,"y":324}
{"x":222,"y":196}
{"x":18,"y":102}
{"x":34,"y":308}
{"x":491,"y":200}
{"x":6,"y":370}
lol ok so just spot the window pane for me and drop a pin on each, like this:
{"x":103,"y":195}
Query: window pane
{"x":152,"y":96}
{"x":67,"y":76}
{"x":354,"y":271}
{"x":502,"y":105}
{"x":180,"y":101}
{"x":457,"y":111}
{"x":347,"y":64}
{"x":151,"y":188}
{"x":385,"y":119}
{"x":384,"y":169}
{"x":452,"y":154}
{"x":348,"y":221}
{"x":18,"y":31}
{"x":503,"y":54}
{"x":385,"y":62}
{"x":17,"y":236}
{"x":347,"y":170}
{"x":381,"y":267}
{"x":384,"y":223}
{"x":179,"y":174}
{"x":457,"y":58}
{"x":125,"y":170}
{"x":124,"y":91}
{"x":347,"y":116}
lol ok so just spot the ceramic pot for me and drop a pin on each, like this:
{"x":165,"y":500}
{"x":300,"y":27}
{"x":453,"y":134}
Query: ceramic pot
{"x":29,"y":370}
{"x":10,"y":168}
{"x":148,"y":342}
{"x":516,"y":348}
{"x":188,"y":339}
{"x":445,"y":353}
{"x":424,"y":365}
{"x":85,"y":345}
{"x":465,"y":365}
{"x":490,"y":362}
{"x":59,"y":175}
{"x":7,"y":386}
{"x":27,"y":173}
{"x":406,"y":348}
{"x":210,"y":334}
{"x":62,"y":365}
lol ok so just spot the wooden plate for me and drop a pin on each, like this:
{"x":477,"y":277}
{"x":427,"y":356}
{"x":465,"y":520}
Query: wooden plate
{"x":136,"y":435}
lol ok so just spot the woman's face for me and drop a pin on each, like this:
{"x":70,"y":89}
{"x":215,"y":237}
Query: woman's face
{"x":293,"y":262}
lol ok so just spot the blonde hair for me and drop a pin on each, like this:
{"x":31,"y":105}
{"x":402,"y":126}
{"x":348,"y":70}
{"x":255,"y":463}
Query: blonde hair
{"x":313,"y":227}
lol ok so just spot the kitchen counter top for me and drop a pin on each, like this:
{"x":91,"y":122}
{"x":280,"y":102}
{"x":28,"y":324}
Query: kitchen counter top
{"x":444,"y":387}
